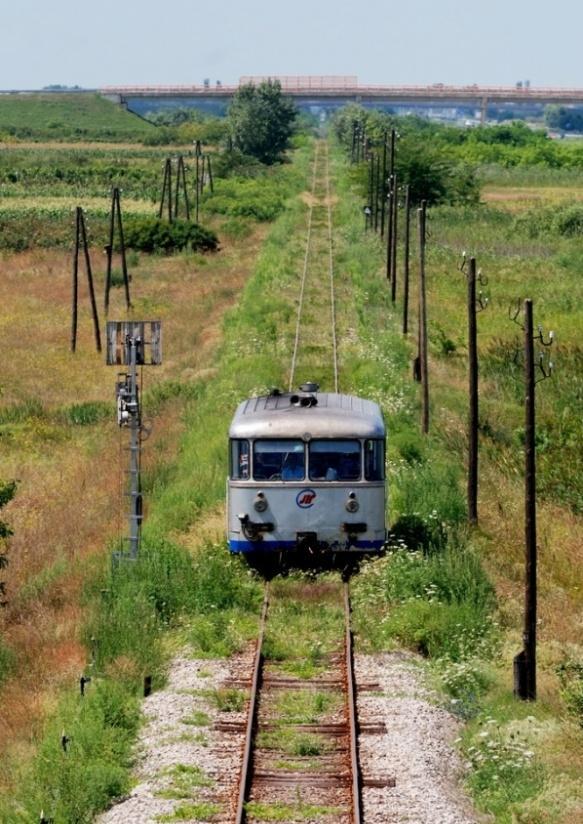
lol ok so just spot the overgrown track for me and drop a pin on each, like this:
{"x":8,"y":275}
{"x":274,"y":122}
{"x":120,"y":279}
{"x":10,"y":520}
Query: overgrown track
{"x":315,"y":353}
{"x":319,"y":773}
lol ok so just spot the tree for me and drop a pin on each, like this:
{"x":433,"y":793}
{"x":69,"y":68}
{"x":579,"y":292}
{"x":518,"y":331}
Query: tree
{"x":261,"y":120}
{"x":564,"y":118}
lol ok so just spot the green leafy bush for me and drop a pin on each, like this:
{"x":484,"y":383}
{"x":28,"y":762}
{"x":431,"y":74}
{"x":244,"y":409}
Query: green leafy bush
{"x":149,"y":234}
{"x":259,"y":198}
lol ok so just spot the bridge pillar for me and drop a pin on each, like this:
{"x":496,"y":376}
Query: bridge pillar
{"x":484,"y":110}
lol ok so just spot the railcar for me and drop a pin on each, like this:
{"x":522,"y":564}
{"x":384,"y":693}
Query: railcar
{"x":307,"y":472}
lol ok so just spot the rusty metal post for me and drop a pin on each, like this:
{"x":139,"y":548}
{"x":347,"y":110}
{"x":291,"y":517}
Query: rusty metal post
{"x":423,"y":366}
{"x":75,"y":301}
{"x":109,"y":253}
{"x":406,"y":252}
{"x":525,"y":661}
{"x":473,"y":396}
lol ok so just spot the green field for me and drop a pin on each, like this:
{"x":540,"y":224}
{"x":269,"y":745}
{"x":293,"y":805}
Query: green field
{"x":67,"y":117}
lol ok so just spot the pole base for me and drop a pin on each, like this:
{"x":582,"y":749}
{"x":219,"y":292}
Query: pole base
{"x":524,"y":678}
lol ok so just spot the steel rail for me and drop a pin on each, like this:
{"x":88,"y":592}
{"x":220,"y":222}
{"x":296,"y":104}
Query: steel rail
{"x":305,"y":271}
{"x":331,"y":270}
{"x":245,"y":780}
{"x":352,"y":714}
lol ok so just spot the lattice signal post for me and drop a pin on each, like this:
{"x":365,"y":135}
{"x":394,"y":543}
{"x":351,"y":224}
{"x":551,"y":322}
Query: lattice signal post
{"x":133,"y":344}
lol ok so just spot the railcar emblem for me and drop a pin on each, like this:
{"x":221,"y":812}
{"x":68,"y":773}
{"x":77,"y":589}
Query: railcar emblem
{"x":305,"y":499}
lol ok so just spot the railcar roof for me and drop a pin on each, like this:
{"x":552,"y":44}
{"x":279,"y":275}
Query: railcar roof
{"x":333,"y":416}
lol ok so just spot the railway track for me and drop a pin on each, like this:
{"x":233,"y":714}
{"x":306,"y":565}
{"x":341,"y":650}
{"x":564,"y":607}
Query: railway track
{"x":315,"y":349}
{"x":303,"y":764}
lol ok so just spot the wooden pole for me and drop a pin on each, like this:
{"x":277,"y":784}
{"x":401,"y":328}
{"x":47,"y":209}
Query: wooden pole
{"x":122,"y":246}
{"x":109,"y":253}
{"x":210,"y":171}
{"x":389,"y":227}
{"x":75,"y":301}
{"x":473,"y":396}
{"x":525,"y":661}
{"x":406,"y":252}
{"x":394,"y":241}
{"x":384,"y":185}
{"x":90,"y":282}
{"x":423,"y":322}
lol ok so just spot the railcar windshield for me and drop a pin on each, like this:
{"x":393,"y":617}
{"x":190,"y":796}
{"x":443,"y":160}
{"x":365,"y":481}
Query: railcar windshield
{"x":279,"y":460}
{"x":335,"y":460}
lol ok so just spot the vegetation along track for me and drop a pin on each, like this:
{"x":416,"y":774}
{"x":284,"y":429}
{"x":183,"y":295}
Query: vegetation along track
{"x":311,"y":350}
{"x":301,"y":743}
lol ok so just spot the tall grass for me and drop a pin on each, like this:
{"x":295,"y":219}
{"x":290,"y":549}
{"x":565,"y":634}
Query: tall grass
{"x":133,"y":605}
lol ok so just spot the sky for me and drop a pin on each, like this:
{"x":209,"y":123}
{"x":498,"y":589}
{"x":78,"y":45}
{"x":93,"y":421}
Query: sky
{"x":117,"y":42}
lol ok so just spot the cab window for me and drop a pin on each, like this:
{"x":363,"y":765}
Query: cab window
{"x":279,"y":460}
{"x":374,"y":460}
{"x":335,"y":460}
{"x":239,"y":460}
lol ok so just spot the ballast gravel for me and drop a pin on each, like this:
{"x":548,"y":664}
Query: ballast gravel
{"x":416,"y":750}
{"x":178,"y":731}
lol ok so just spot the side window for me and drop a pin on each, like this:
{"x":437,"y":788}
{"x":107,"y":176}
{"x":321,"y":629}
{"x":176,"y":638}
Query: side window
{"x":374,"y":460}
{"x":239,"y":460}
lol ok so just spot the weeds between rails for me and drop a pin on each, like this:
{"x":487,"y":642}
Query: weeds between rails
{"x":300,"y":754}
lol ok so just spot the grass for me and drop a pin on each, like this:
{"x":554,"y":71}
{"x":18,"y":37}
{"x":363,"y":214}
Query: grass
{"x":439,"y":599}
{"x":80,"y":116}
{"x":293,"y":742}
{"x":298,"y":811}
{"x":304,"y":706}
{"x":185,"y":780}
{"x":125,"y":615}
{"x":199,"y":811}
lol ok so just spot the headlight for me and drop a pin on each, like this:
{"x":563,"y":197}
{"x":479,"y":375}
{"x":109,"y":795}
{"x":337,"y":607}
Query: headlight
{"x":352,"y":504}
{"x":260,"y":503}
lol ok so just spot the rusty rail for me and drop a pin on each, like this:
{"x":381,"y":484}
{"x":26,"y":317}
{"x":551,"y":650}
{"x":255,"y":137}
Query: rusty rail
{"x":245,"y":780}
{"x":352,"y":713}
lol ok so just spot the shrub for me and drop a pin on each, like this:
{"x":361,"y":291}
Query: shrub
{"x":148,"y":234}
{"x":259,"y":198}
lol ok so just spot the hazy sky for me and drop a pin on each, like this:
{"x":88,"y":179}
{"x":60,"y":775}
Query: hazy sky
{"x":414,"y":41}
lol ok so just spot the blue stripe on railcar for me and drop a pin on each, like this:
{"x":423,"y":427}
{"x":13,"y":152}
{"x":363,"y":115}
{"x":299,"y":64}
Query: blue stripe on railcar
{"x":269,"y":546}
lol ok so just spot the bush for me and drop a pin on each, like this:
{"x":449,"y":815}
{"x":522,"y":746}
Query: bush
{"x":148,"y":234}
{"x":258,"y":198}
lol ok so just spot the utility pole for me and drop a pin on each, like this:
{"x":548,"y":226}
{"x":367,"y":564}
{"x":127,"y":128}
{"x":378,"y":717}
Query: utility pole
{"x":376,"y":192}
{"x":369,"y":215}
{"x":81,"y":239}
{"x":394,"y":240}
{"x":406,"y":252}
{"x":473,"y":396}
{"x":424,"y":371}
{"x":166,"y":190}
{"x":115,"y":217}
{"x":525,"y":661}
{"x":384,"y":185}
{"x":389,"y":228}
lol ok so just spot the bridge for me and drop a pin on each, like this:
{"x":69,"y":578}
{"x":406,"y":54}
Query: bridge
{"x":333,"y":91}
